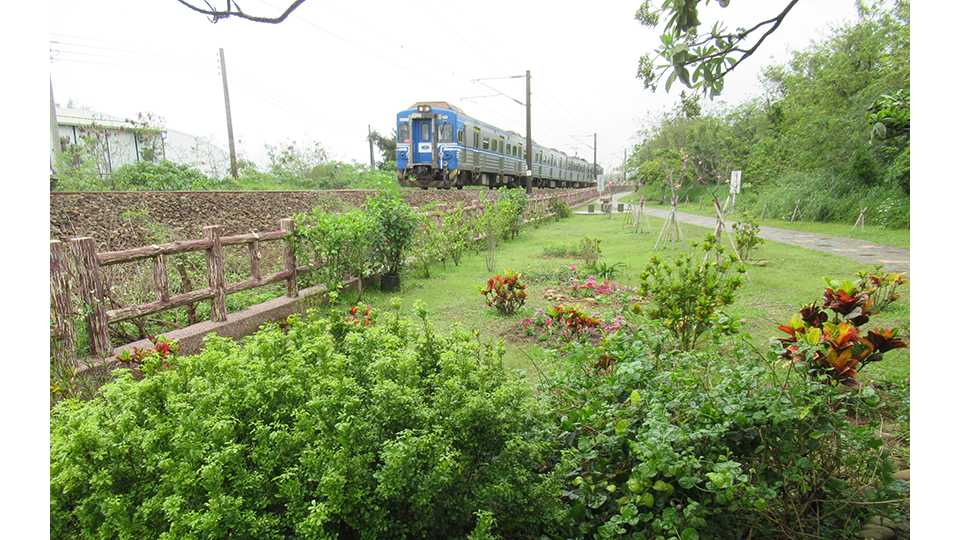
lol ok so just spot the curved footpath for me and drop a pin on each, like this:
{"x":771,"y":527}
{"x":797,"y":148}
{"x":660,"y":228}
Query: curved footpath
{"x":893,"y":259}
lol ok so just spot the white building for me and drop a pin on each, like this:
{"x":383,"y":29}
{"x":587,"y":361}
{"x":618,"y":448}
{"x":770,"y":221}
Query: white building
{"x":116,"y":141}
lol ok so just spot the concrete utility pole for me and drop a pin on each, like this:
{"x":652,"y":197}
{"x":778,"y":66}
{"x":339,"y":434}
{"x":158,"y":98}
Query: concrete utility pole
{"x":529,"y":182}
{"x":226,"y":100}
{"x":370,"y":138}
{"x":594,"y":156}
{"x":54,"y":136}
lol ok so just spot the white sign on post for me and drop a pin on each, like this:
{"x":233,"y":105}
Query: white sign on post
{"x":735,"y":177}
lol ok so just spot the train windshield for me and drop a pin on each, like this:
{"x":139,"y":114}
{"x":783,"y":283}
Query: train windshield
{"x":403,"y":133}
{"x":445,"y":133}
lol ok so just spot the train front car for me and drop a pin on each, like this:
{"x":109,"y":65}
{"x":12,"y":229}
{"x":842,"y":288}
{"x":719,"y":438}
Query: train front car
{"x":428,"y":149}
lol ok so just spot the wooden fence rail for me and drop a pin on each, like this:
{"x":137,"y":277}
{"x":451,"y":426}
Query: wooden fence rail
{"x":92,"y":294}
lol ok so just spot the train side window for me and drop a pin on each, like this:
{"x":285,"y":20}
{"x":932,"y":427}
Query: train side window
{"x":486,"y":143}
{"x":460,"y":136}
{"x":445,"y":133}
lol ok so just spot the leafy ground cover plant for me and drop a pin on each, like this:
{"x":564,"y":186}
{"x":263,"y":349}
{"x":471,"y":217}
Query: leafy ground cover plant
{"x":593,"y":289}
{"x":505,"y":293}
{"x":661,"y":446}
{"x":324,"y":428}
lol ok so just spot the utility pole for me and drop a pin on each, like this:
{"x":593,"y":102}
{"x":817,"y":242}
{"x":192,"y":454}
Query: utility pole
{"x":54,"y":138}
{"x":370,"y":138}
{"x":594,"y":156}
{"x":226,"y":100}
{"x":529,"y":142}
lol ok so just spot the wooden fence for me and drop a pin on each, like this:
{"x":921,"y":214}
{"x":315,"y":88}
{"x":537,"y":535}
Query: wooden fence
{"x":89,"y":282}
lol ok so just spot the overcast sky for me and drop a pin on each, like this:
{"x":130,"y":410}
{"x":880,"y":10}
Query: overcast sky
{"x":333,"y":68}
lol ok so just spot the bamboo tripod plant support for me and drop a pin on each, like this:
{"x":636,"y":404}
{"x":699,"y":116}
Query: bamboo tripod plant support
{"x":721,"y":226}
{"x":636,"y":212}
{"x":861,"y":221}
{"x":671,"y":227}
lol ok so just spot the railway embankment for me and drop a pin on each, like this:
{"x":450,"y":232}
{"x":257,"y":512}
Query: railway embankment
{"x":124,"y":220}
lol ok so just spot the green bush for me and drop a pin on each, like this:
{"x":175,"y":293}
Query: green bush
{"x":687,"y":295}
{"x":316,"y":428}
{"x":662,"y":446}
{"x":162,"y":175}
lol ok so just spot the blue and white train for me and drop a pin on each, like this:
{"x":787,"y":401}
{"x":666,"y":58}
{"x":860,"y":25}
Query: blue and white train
{"x":438,"y":146}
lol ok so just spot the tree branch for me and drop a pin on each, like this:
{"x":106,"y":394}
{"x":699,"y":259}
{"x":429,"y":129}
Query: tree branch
{"x":230,"y":12}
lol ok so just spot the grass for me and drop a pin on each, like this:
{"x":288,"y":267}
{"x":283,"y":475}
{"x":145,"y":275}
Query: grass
{"x":891,"y":237}
{"x":772,"y":294}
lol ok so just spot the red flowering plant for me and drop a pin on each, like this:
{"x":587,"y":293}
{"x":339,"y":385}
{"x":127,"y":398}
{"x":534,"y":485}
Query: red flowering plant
{"x":836,"y":349}
{"x":576,"y":325}
{"x":150,"y":359}
{"x":506,"y":293}
{"x":359,"y":319}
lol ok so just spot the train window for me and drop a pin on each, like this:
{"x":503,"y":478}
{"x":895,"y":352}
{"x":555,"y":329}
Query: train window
{"x":445,"y":133}
{"x":460,"y":136}
{"x":424,"y":132}
{"x":403,"y":132}
{"x":486,"y":143}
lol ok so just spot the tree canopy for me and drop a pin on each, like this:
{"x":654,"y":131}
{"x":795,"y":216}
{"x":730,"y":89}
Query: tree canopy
{"x":699,"y":59}
{"x":832,"y":128}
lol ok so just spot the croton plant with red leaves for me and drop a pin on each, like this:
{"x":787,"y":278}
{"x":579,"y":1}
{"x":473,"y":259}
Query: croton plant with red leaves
{"x":837,"y":348}
{"x":505,"y":292}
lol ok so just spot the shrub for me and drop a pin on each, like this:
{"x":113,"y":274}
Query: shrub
{"x":590,"y":250}
{"x":395,"y":226}
{"x":338,"y":245}
{"x":560,"y":209}
{"x":661,"y":447}
{"x":832,"y":349}
{"x":686,"y":296}
{"x":160,"y":176}
{"x":505,"y":293}
{"x":745,"y":236}
{"x":317,"y":428}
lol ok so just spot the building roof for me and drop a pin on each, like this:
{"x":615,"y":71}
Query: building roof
{"x":80,"y":117}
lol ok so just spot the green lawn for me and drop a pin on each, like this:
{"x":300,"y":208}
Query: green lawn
{"x":892,"y":237}
{"x":770,"y":297}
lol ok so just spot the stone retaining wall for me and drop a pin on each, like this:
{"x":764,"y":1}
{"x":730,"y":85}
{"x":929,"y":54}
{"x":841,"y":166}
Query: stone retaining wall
{"x":125,"y":220}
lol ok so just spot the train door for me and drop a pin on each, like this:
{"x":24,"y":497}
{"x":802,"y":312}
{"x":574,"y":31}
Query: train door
{"x":423,"y":144}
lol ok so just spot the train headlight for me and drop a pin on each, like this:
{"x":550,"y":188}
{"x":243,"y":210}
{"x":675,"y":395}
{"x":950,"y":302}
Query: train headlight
{"x":423,"y":108}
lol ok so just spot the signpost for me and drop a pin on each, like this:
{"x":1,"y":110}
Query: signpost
{"x":735,"y":177}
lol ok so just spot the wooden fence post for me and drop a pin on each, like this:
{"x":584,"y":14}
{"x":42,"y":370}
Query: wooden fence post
{"x":215,"y":278}
{"x":253,"y":253}
{"x":91,"y":292}
{"x":289,"y":258}
{"x":60,"y":301}
{"x":160,"y":280}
